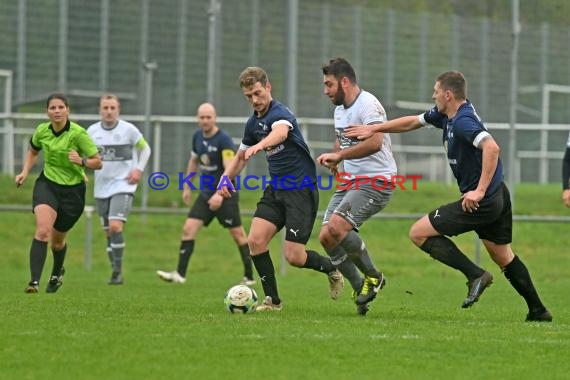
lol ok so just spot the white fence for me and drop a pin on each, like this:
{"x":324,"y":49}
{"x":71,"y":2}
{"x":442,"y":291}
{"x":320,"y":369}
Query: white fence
{"x":420,"y":158}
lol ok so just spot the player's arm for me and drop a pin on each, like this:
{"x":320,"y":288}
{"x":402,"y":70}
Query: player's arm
{"x":364,"y":148}
{"x":216,"y":199}
{"x":191,"y":167}
{"x":144,"y":154}
{"x":331,"y":160}
{"x":489,"y":164}
{"x":566,"y":177}
{"x":399,"y":125}
{"x":235,"y":166}
{"x":278,"y":134}
{"x":29,"y":162}
{"x":227,"y":157}
{"x":87,"y":148}
{"x":93,"y":162}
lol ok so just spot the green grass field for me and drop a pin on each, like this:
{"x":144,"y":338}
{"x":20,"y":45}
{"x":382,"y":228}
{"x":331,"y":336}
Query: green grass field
{"x":416,"y":329}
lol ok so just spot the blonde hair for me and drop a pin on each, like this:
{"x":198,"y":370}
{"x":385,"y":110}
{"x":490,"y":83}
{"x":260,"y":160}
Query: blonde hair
{"x":251,"y":75}
{"x":109,"y":97}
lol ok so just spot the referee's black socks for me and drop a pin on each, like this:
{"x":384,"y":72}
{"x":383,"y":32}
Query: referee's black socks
{"x":38,"y":254}
{"x":58,"y":259}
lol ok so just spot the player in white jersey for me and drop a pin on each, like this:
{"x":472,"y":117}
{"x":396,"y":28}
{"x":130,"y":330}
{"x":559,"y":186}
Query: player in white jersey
{"x":125,"y":153}
{"x":366,"y":190}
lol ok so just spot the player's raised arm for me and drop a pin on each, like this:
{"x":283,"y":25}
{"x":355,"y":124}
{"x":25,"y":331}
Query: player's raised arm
{"x":399,"y":125}
{"x":277,"y":135}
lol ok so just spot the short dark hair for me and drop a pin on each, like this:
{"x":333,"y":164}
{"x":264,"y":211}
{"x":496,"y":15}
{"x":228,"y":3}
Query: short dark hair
{"x":455,"y":82}
{"x":340,"y":67}
{"x":57,"y":95}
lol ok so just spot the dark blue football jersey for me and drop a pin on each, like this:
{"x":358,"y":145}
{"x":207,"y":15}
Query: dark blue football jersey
{"x":210,"y":160}
{"x":461,"y":134}
{"x":290,"y":159}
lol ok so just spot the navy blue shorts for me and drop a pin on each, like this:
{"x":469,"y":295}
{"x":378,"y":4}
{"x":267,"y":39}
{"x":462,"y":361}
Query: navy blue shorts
{"x":228,"y":213}
{"x":295,"y":210}
{"x":493,"y":219}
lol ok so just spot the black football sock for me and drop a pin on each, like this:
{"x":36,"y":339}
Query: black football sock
{"x":356,"y":249}
{"x":444,"y":250}
{"x":519,"y":277}
{"x":58,"y":259}
{"x":266,"y":272}
{"x":319,"y":263}
{"x":38,"y":254}
{"x":246,"y":260}
{"x":339,"y":259}
{"x":186,"y":249}
{"x":118,"y":246}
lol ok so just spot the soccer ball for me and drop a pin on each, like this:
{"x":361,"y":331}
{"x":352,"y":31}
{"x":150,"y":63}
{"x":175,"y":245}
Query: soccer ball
{"x":240,"y":299}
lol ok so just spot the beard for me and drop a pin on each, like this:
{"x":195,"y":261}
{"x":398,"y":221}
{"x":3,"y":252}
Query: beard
{"x":338,"y":99}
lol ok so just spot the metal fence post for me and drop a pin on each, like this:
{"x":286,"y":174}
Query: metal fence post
{"x":149,"y":68}
{"x":88,"y":254}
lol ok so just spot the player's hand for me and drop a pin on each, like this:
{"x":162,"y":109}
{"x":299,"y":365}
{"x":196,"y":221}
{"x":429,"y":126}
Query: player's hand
{"x":334,"y":170}
{"x":253,"y":150}
{"x":20,"y":178}
{"x":225,"y":187}
{"x":186,"y":196}
{"x":566,"y":197}
{"x":471,"y":200}
{"x":360,"y":132}
{"x":329,"y":160}
{"x":215,"y":202}
{"x":74,"y":157}
{"x":134,"y":176}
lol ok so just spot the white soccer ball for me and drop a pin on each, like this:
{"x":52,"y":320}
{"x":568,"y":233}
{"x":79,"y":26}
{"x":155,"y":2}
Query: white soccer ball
{"x":240,"y":299}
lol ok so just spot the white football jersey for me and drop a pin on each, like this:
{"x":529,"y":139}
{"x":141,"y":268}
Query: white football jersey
{"x":366,"y":109}
{"x":117,"y":148}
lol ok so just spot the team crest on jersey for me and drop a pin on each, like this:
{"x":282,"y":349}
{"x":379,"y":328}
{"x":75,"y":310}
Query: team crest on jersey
{"x":204,"y":159}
